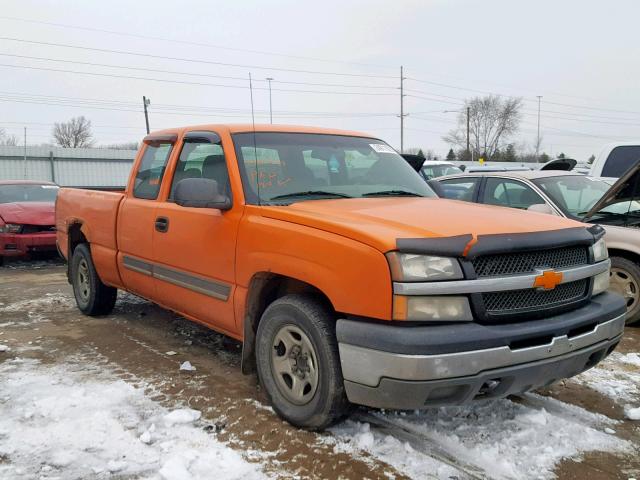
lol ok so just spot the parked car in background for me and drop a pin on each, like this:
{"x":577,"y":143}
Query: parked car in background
{"x":613,"y":204}
{"x":346,"y":278}
{"x":615,"y":159}
{"x":27,"y":217}
{"x":429,"y":169}
{"x":495,"y":168}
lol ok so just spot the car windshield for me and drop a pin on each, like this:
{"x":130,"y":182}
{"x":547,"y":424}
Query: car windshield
{"x":434,"y":171}
{"x":575,"y":195}
{"x":281,"y":168}
{"x":28,"y":193}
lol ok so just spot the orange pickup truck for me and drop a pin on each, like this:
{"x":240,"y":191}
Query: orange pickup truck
{"x":345,"y":277}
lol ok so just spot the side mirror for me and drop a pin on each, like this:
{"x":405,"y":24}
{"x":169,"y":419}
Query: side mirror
{"x":200,"y":193}
{"x":542,"y":208}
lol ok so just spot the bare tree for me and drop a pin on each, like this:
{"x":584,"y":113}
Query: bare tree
{"x":10,"y":140}
{"x":492,"y":121}
{"x":75,"y":133}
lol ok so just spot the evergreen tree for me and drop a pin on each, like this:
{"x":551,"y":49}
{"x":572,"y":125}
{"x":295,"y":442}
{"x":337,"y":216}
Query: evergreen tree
{"x":510,"y":153}
{"x":421,"y":153}
{"x":544,"y":158}
{"x":451,"y":156}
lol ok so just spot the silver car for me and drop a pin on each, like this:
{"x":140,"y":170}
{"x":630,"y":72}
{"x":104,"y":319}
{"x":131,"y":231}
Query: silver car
{"x":612,"y":203}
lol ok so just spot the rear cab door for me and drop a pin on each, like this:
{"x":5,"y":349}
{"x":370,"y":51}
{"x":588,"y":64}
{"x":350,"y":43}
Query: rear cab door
{"x":137,"y":214}
{"x":194,"y":248}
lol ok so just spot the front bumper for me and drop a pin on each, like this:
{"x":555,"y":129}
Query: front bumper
{"x":409,"y":367}
{"x":14,"y":245}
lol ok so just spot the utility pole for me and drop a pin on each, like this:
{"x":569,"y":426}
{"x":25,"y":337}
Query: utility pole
{"x":468,"y":115}
{"x":146,"y":102}
{"x":538,"y":139}
{"x":269,"y":79}
{"x":25,"y":153}
{"x":402,"y":114}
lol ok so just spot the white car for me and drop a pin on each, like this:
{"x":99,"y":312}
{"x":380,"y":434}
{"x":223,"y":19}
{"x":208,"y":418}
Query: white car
{"x":611,"y":203}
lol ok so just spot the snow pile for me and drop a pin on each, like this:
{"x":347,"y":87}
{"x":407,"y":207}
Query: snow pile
{"x":57,"y":423}
{"x":501,"y":438}
{"x":632,"y":413}
{"x":617,"y":377}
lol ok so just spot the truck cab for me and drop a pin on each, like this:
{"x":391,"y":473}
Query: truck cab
{"x":343,"y":275}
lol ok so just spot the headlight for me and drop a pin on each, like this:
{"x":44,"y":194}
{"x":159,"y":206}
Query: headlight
{"x":601,"y":282}
{"x":428,"y":308}
{"x":409,"y":267}
{"x":600,"y":251}
{"x":11,"y":228}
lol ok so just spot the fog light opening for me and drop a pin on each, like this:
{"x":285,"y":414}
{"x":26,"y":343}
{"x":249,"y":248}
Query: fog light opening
{"x":488,"y":388}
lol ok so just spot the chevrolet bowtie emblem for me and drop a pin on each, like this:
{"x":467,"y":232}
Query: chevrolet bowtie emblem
{"x":548,"y":280}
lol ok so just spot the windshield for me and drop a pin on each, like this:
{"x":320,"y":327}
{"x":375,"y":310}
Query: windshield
{"x":575,"y":195}
{"x":435,"y":171}
{"x":299,"y":166}
{"x":28,"y":193}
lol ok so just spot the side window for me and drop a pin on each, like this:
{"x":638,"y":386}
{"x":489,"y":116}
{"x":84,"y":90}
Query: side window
{"x":620,"y":160}
{"x":510,"y":193}
{"x":460,"y":188}
{"x":149,"y":176}
{"x":201,"y":159}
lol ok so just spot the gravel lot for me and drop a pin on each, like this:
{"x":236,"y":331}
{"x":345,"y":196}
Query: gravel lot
{"x":105,"y":397}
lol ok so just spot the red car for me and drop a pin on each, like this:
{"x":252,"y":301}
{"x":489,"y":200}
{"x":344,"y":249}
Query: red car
{"x":27,"y":217}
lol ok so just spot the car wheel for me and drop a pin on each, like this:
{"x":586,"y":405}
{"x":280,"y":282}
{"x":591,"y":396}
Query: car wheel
{"x":298,"y":362}
{"x":625,"y":280}
{"x":92,"y":296}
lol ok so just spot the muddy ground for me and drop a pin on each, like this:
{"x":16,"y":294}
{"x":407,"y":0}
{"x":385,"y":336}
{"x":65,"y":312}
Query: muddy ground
{"x":38,"y":319}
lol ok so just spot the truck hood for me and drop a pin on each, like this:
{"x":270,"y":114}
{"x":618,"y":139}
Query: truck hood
{"x":379,"y":222}
{"x":28,"y":213}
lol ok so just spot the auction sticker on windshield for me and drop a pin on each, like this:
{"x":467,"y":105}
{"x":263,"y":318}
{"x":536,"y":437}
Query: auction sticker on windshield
{"x":381,"y":148}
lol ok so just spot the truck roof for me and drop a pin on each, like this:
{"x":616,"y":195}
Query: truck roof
{"x":248,"y":127}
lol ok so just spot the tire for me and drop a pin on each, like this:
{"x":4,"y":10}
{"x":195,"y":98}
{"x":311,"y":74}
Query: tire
{"x":625,"y":280}
{"x":303,"y":322}
{"x":92,"y":296}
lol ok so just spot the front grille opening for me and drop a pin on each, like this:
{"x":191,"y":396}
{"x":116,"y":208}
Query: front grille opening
{"x":528,"y":262}
{"x":531,"y":342}
{"x":590,"y":327}
{"x":530,"y":299}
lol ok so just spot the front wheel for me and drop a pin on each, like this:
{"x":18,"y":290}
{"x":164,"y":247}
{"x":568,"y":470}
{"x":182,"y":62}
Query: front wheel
{"x":625,"y":280}
{"x":299,"y":364}
{"x":92,"y":296}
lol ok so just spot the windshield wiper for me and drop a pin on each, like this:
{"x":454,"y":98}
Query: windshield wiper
{"x":310,"y":193}
{"x":392,"y":193}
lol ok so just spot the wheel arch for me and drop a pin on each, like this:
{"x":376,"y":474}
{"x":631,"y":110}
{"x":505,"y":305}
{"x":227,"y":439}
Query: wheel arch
{"x":76,"y":234}
{"x":264,"y":289}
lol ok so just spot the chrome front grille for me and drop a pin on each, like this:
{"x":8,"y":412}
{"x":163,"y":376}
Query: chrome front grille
{"x":518,"y":301}
{"x":527,"y":262}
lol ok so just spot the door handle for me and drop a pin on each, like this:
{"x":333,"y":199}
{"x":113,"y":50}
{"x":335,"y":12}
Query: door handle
{"x":162,"y":224}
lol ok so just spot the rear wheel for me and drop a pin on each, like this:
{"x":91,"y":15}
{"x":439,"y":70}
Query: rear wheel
{"x":299,"y":364}
{"x":625,"y":280}
{"x":92,"y":296}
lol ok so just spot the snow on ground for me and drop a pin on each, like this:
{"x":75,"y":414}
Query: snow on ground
{"x":505,"y":439}
{"x":49,"y":302}
{"x":617,"y":377}
{"x":56,"y":422}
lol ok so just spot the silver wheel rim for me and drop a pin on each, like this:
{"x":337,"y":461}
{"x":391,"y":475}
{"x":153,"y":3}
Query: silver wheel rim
{"x":294,"y":365}
{"x":84,"y":287}
{"x":624,"y":284}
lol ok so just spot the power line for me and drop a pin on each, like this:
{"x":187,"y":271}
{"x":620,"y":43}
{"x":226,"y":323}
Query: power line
{"x":188,"y":42}
{"x":192,"y":60}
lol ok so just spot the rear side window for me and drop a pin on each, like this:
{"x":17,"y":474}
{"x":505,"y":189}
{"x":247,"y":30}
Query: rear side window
{"x":152,"y":167}
{"x":620,"y":160}
{"x":460,"y":188}
{"x":510,"y":193}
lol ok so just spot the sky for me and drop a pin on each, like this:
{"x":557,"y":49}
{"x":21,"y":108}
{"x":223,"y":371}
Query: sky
{"x":333,"y":64}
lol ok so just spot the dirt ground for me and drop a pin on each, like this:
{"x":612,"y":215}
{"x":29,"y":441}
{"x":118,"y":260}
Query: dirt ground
{"x":38,"y":319}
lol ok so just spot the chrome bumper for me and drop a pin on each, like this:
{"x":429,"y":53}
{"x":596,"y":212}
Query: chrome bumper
{"x":367,"y":366}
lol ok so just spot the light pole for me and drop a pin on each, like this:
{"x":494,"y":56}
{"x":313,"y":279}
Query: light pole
{"x":468,"y":129}
{"x":146,"y":102}
{"x":538,"y":139}
{"x":269,"y":79}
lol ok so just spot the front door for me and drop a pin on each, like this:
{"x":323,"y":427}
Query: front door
{"x":194,"y":248}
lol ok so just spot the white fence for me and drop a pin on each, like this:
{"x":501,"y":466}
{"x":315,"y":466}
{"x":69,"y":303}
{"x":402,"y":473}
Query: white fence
{"x":71,"y":167}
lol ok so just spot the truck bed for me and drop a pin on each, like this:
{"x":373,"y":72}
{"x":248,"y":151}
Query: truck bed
{"x":95,"y":211}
